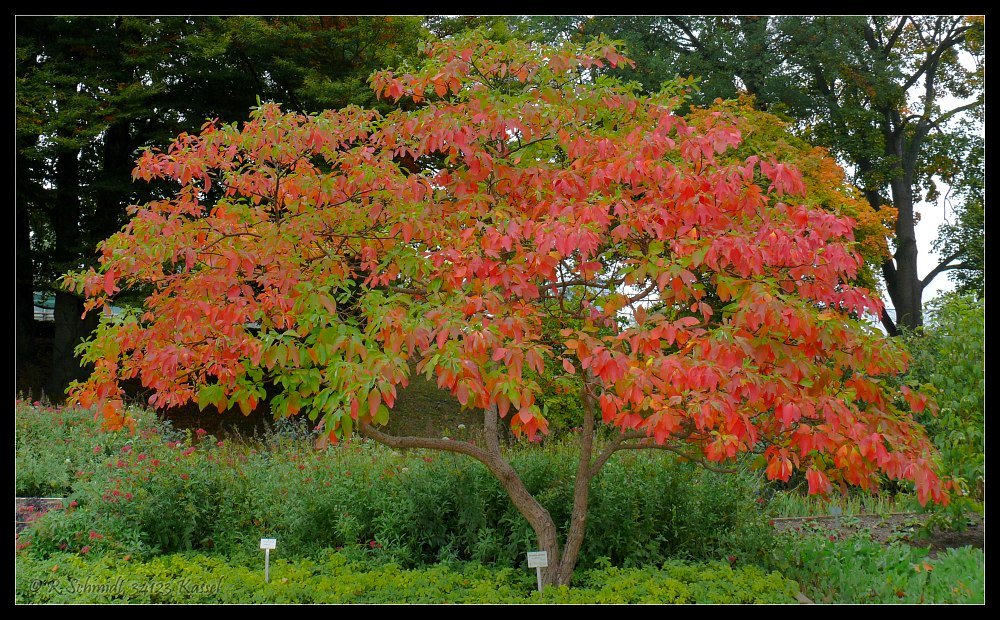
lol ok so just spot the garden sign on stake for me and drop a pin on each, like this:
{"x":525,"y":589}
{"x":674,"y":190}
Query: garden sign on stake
{"x":538,"y":560}
{"x":267,"y":544}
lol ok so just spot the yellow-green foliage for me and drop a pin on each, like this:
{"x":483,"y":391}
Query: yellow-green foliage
{"x":339,"y":578}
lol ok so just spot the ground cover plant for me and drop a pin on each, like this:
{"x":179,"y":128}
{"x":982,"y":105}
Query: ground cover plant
{"x":831,"y":568}
{"x":949,"y":353}
{"x":340,"y":577}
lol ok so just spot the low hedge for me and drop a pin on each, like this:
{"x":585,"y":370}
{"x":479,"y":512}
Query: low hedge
{"x":342,"y":577}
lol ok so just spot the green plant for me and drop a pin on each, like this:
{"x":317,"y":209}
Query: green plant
{"x":797,"y":504}
{"x":517,"y":213}
{"x":52,"y":445}
{"x":858,"y":569}
{"x":155,"y":496}
{"x":353,"y":578}
{"x":949,"y":354}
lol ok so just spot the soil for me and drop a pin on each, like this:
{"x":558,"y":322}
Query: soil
{"x":906,"y":527}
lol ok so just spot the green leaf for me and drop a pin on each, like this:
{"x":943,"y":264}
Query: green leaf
{"x":382,"y":415}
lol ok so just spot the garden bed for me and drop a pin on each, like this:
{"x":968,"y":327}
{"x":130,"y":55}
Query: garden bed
{"x":27,"y":509}
{"x":905,"y":526}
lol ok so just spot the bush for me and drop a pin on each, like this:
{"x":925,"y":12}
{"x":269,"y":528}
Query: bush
{"x":144,"y":496}
{"x":858,"y":569}
{"x":949,"y":353}
{"x":52,"y":444}
{"x":353,"y":578}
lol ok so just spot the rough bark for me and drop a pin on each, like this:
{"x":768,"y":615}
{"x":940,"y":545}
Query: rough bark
{"x":905,"y":289}
{"x":116,"y":167}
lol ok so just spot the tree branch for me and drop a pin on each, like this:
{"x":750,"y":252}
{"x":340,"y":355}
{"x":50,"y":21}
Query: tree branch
{"x":958,"y":110}
{"x":888,"y":323}
{"x":611,"y":448}
{"x":581,"y":487}
{"x":447,"y":445}
{"x":491,"y":430}
{"x":677,"y":21}
{"x":944,"y":266}
{"x":895,"y":35}
{"x":407,"y":291}
{"x":933,"y":56}
{"x":642,"y":294}
{"x":649,"y":444}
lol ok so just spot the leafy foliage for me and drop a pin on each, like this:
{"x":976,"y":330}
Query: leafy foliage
{"x":950,"y":354}
{"x":898,"y":98}
{"x":538,"y":185}
{"x":90,"y":90}
{"x":516,"y":213}
{"x":156,"y":493}
{"x":52,"y":444}
{"x":858,"y":570}
{"x":348,"y":578}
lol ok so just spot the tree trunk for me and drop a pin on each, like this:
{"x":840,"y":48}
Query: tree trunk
{"x":581,"y":490}
{"x":901,"y":278}
{"x":111,"y":193}
{"x":535,"y":513}
{"x":69,"y":327}
{"x":24,"y":266}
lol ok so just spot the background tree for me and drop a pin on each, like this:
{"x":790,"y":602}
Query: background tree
{"x":551,"y":203}
{"x":898,"y":99}
{"x":92,"y":90}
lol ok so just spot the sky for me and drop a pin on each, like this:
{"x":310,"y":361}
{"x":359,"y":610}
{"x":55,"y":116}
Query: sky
{"x":931,"y":217}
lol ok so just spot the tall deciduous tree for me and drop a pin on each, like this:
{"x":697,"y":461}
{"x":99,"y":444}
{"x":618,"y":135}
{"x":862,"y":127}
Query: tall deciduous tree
{"x":879,"y":94}
{"x":557,"y":223}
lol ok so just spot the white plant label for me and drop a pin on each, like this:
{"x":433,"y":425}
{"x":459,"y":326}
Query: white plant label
{"x":267,"y":544}
{"x":538,"y":559}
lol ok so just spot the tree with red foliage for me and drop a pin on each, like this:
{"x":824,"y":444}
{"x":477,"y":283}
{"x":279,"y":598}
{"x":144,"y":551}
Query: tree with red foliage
{"x":696,"y":305}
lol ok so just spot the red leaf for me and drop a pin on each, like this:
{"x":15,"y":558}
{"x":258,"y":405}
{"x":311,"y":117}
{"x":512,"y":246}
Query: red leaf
{"x":109,"y":282}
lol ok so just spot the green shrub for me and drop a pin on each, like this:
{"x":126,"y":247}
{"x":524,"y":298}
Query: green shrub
{"x":858,"y":569}
{"x":53,"y":444}
{"x":144,"y":495}
{"x":677,"y":583}
{"x":949,"y":354}
{"x":648,"y":507}
{"x":355,"y":578}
